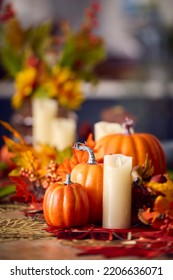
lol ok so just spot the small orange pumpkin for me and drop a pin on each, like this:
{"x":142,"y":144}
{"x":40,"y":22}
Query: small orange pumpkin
{"x":136,"y":145}
{"x":66,"y":205}
{"x":90,"y":176}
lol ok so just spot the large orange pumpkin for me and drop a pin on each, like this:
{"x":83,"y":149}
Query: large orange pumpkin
{"x":66,"y":205}
{"x":90,"y":176}
{"x":137,"y":145}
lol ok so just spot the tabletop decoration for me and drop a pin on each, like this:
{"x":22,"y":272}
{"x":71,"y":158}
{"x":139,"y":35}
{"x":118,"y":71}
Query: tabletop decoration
{"x":103,"y":128}
{"x":151,"y":230}
{"x":137,"y":145}
{"x":90,"y":175}
{"x":44,"y":110}
{"x":63,"y":132}
{"x":117,"y":191}
{"x":34,"y":168}
{"x":66,"y":205}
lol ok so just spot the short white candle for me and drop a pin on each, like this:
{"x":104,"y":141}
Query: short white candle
{"x":43,"y":111}
{"x":117,"y":190}
{"x":102,"y":129}
{"x":63,"y":132}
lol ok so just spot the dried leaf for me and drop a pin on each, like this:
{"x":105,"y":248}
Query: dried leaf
{"x":143,"y":172}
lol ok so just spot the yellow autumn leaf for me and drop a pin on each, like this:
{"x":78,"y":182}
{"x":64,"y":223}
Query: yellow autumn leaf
{"x":162,"y":205}
{"x":164,"y":201}
{"x":166,"y":189}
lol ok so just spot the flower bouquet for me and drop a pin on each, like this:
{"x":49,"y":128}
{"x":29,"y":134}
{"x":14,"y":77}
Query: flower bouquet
{"x":44,"y":64}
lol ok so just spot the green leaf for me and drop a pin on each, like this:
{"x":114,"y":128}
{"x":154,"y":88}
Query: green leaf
{"x":7,"y":190}
{"x":15,"y":172}
{"x":3,"y":165}
{"x":39,"y":38}
{"x":11,"y":60}
{"x":62,"y":155}
{"x":170,"y":173}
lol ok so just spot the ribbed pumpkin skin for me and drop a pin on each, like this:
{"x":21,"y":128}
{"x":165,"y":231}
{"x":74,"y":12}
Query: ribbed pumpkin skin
{"x":90,"y":176}
{"x":136,"y":145}
{"x":66,"y":206}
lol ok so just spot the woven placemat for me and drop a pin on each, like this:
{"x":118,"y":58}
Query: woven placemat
{"x":15,"y":225}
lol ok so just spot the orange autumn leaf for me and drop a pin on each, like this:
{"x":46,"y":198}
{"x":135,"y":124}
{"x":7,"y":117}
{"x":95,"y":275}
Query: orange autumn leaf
{"x":13,"y":131}
{"x":149,"y":217}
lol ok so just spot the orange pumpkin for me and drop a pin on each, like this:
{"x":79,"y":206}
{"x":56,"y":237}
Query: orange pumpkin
{"x":137,"y":145}
{"x":90,"y":176}
{"x":66,"y":205}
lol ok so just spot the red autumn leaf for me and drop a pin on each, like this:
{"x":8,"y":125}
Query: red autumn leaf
{"x":22,"y":192}
{"x":146,"y":242}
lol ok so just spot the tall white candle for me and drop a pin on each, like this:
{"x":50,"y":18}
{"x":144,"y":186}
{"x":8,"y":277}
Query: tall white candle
{"x":63,"y":132}
{"x":117,"y":190}
{"x":43,"y":111}
{"x":102,"y":129}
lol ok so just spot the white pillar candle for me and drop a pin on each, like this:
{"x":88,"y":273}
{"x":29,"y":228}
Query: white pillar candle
{"x":117,"y":190}
{"x":102,"y":129}
{"x":63,"y":133}
{"x":43,"y":111}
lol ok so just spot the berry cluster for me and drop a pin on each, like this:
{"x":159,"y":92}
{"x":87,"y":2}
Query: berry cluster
{"x":51,"y":175}
{"x":28,"y":174}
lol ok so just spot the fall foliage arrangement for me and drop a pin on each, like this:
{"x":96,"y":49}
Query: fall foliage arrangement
{"x":47,"y":177}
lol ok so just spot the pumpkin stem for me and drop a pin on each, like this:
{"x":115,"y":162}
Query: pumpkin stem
{"x":128,"y":125}
{"x":81,"y":147}
{"x":67,"y":180}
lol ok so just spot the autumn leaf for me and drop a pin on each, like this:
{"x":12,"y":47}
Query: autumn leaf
{"x":22,"y":192}
{"x":143,"y":173}
{"x":13,"y":146}
{"x":163,"y":203}
{"x":13,"y":131}
{"x":152,"y":218}
{"x":147,"y":216}
{"x":165,"y":189}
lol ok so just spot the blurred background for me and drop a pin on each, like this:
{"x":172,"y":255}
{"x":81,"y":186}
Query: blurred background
{"x":136,"y":75}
